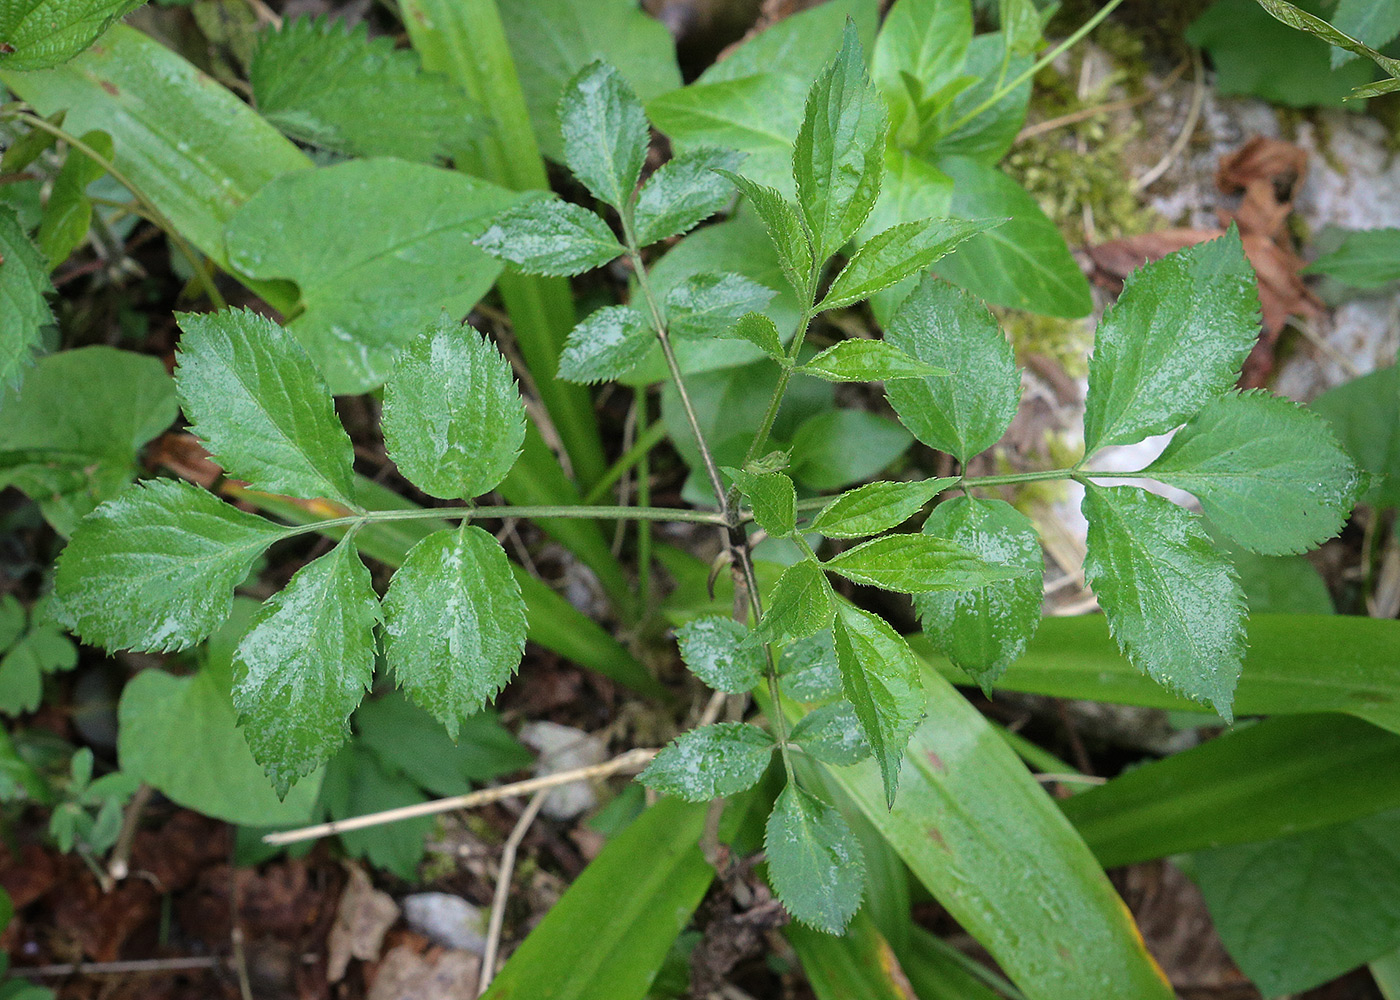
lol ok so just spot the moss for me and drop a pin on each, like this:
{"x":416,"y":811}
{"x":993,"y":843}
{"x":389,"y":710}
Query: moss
{"x":1066,"y":340}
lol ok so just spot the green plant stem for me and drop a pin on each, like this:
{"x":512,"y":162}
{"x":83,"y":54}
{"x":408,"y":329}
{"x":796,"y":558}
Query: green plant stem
{"x":1010,"y":479}
{"x":644,"y":535}
{"x":771,"y":414}
{"x":148,"y":211}
{"x":357,"y":521}
{"x":654,"y":434}
{"x":1039,"y":65}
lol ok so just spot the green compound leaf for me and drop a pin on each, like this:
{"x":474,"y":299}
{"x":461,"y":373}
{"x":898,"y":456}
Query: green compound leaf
{"x":605,"y":346}
{"x":684,"y":192}
{"x":983,"y":631}
{"x":867,"y":361}
{"x":893,"y":255}
{"x":876,"y":507}
{"x":704,"y":305}
{"x":37,"y":34}
{"x":880,"y":677}
{"x":967,"y":414}
{"x":305,"y":664}
{"x":605,"y":133}
{"x":325,"y":83}
{"x":832,"y":734}
{"x":453,"y":421}
{"x":760,"y":331}
{"x":814,"y":861}
{"x":710,"y":762}
{"x":917,"y":564}
{"x":454,"y":623}
{"x":154,"y":569}
{"x":808,"y":670}
{"x":259,"y":403}
{"x":550,"y":236}
{"x":1171,"y":597}
{"x":68,"y":214}
{"x":1173,"y":341}
{"x":802,"y":603}
{"x":70,"y":436}
{"x":1367,"y":258}
{"x":772,"y":497}
{"x":839,"y":157}
{"x":715,"y":650}
{"x":1268,"y":472}
{"x":785,"y":229}
{"x":24,"y":281}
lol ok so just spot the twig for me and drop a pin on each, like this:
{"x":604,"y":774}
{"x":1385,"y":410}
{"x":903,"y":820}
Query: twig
{"x":498,"y":902}
{"x":632,"y":760}
{"x":1071,"y":779}
{"x":1084,"y":114}
{"x":1198,"y":97}
{"x":119,"y":864}
{"x":128,"y":967}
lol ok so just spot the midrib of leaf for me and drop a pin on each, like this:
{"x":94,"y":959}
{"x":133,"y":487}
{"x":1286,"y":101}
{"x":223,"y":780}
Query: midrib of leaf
{"x":253,"y":546}
{"x":421,"y":236}
{"x":335,"y":491}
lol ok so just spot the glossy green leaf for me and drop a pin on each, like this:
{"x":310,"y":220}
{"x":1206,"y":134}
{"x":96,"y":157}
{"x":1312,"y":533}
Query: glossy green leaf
{"x":1282,"y":776}
{"x":758,"y":330}
{"x":1365,"y":415}
{"x":801,"y":604}
{"x":867,"y":361}
{"x":1171,"y":598}
{"x":37,"y":34}
{"x":605,"y":133}
{"x":808,"y":670}
{"x":982,"y":835}
{"x":1295,"y":663}
{"x":988,"y":135}
{"x":1366,"y":258}
{"x":157,"y":713}
{"x":454,"y":623}
{"x":922,"y":40}
{"x":710,"y":762}
{"x":551,"y":42}
{"x":968,"y":413}
{"x":913,"y":189}
{"x":154,"y":569}
{"x":918,"y":564}
{"x":547,"y":235}
{"x":814,"y":861}
{"x":685,"y":191}
{"x":839,"y":155}
{"x":1022,"y":264}
{"x":261,"y":407}
{"x":629,"y":932}
{"x":838,"y":447}
{"x":880,"y":677}
{"x":832,"y":734}
{"x":1268,"y":473}
{"x":71,"y":434}
{"x":898,"y":252}
{"x":373,"y":271}
{"x":69,"y":211}
{"x":1297,"y":912}
{"x":714,"y":649}
{"x":785,"y":229}
{"x":326,"y":83}
{"x":607,"y":345}
{"x":983,"y":631}
{"x":195,"y":149}
{"x":304,"y":665}
{"x":876,"y":507}
{"x":1374,"y":22}
{"x":705,"y":304}
{"x":1173,"y":341}
{"x":772,"y":497}
{"x":24,"y":281}
{"x":453,"y":421}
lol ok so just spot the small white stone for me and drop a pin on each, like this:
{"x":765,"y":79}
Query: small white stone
{"x":447,"y":920}
{"x":564,"y":748}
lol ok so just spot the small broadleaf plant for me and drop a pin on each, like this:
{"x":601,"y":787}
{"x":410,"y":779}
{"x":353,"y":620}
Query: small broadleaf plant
{"x":155,"y":568}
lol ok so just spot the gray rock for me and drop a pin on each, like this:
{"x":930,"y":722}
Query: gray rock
{"x":447,"y":920}
{"x":564,"y":748}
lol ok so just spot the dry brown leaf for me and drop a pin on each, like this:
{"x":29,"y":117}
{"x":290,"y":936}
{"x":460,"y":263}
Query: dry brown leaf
{"x":364,"y":916}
